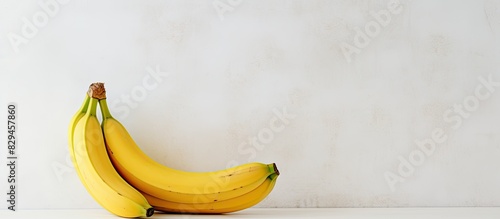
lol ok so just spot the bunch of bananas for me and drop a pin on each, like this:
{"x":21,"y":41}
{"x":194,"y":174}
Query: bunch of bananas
{"x":128,"y":183}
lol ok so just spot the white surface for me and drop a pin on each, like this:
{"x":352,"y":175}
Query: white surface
{"x":326,"y":213}
{"x":227,"y":78}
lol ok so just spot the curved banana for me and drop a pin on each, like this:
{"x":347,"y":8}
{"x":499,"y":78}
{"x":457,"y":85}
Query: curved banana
{"x":226,"y":206}
{"x":155,"y":179}
{"x":209,"y":188}
{"x":96,"y":170}
{"x":72,"y":125}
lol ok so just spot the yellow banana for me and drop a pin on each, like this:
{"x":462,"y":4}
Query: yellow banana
{"x":78,"y":115}
{"x":226,"y":206}
{"x":209,"y":188}
{"x":172,"y":185}
{"x":95,"y":168}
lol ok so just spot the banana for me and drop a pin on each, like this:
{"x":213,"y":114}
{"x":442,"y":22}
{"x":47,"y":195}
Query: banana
{"x":176,"y":186}
{"x":78,"y":115}
{"x":89,"y":154}
{"x":226,"y":206}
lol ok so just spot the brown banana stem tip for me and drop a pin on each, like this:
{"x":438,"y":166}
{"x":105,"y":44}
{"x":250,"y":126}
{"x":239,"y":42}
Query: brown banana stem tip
{"x":97,"y":91}
{"x":276,"y":169}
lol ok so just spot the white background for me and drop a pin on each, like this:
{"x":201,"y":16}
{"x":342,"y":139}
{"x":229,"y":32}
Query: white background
{"x":225,"y":74}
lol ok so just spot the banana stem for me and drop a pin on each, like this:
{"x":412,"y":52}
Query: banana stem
{"x":92,"y":110}
{"x":85,"y":105}
{"x":96,"y":90}
{"x":104,"y":109}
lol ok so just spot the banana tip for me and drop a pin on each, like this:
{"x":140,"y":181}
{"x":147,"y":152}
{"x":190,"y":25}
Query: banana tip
{"x":276,"y":169}
{"x":150,"y":212}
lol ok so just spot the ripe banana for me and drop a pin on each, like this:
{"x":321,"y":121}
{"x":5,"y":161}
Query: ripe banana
{"x":89,"y":154}
{"x":226,"y":206}
{"x":78,"y":115}
{"x":220,"y":191}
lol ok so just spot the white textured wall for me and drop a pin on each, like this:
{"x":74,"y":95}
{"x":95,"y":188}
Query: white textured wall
{"x":218,"y":78}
